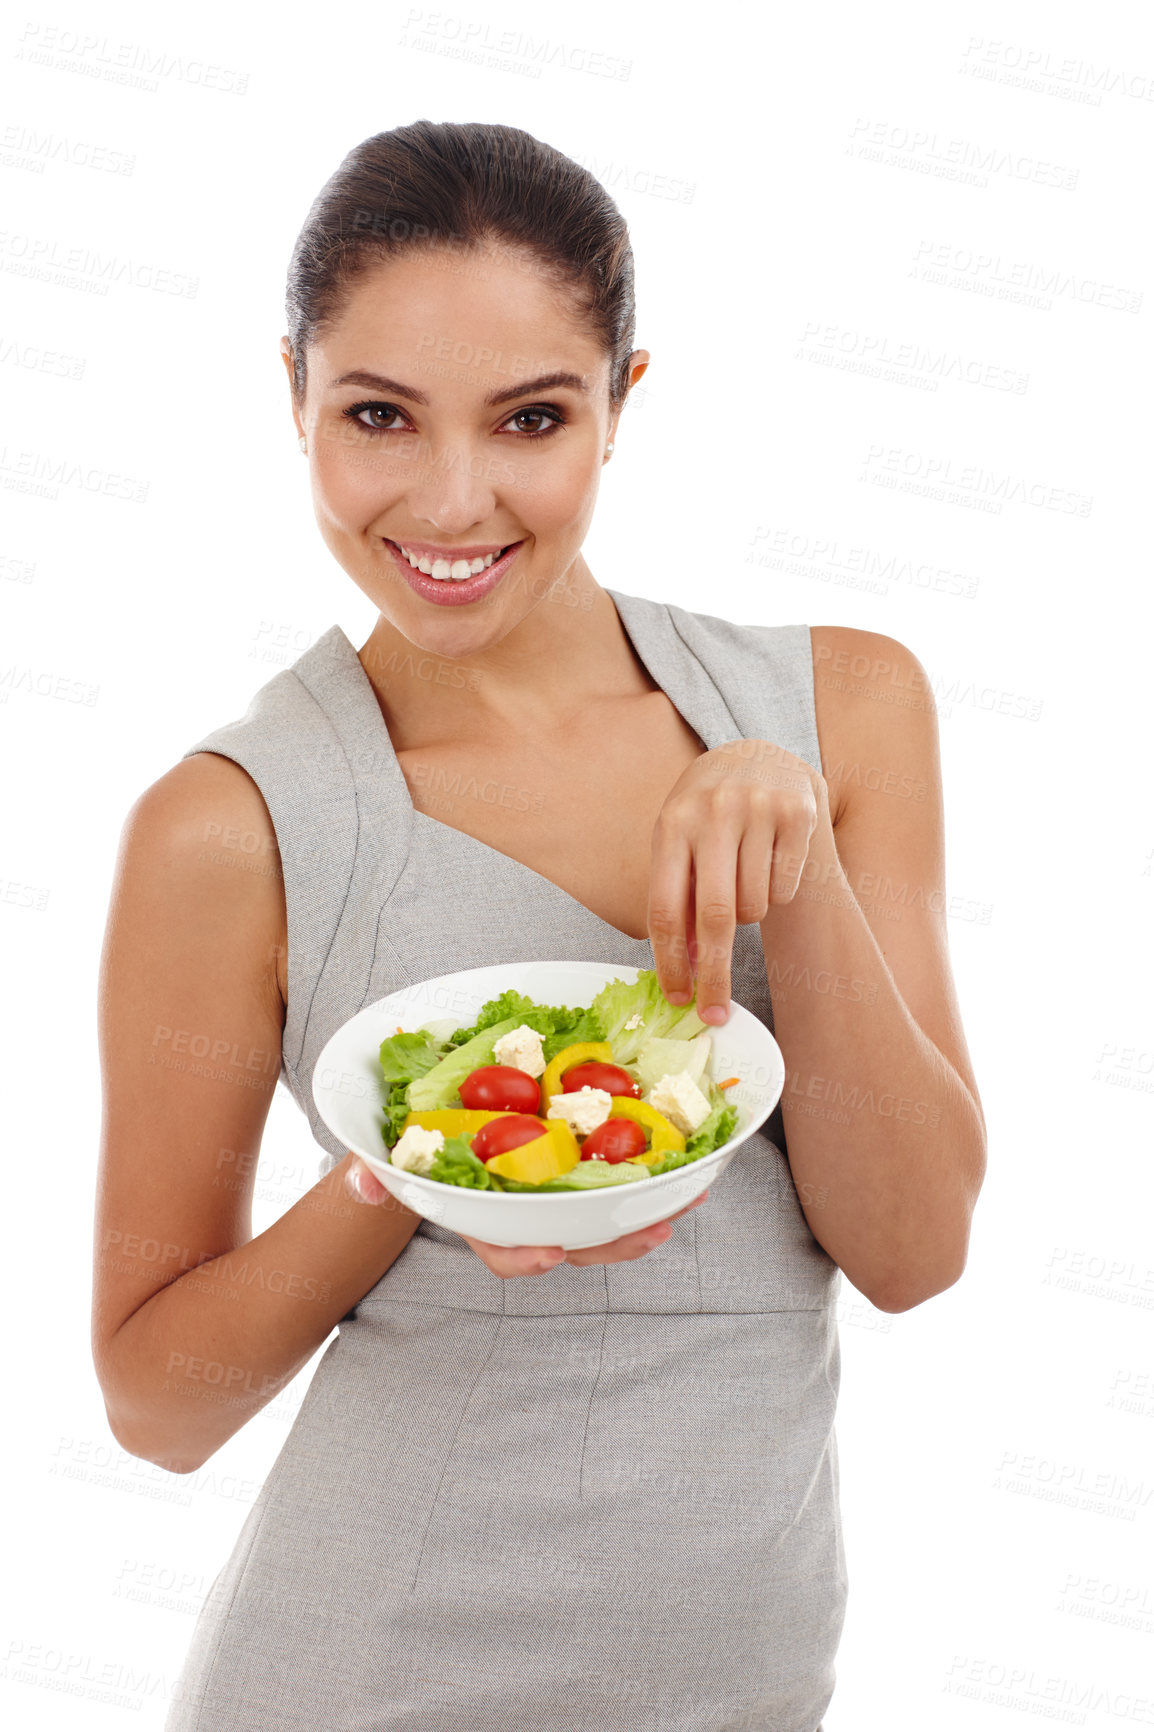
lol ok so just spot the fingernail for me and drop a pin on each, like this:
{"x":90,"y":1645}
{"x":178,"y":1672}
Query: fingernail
{"x":715,"y":1013}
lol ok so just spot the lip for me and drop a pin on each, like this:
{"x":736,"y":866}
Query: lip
{"x":443,"y":592}
{"x":421,"y":548}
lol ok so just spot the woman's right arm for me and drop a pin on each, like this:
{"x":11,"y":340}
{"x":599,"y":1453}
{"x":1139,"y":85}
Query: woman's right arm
{"x":195,"y":1324}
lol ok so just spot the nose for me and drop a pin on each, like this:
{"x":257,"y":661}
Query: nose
{"x":453,"y":487}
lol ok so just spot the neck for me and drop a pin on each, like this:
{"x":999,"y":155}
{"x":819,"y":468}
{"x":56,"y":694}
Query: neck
{"x":570,"y":649}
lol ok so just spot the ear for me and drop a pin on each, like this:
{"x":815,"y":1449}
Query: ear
{"x":286,"y":355}
{"x":638,"y":364}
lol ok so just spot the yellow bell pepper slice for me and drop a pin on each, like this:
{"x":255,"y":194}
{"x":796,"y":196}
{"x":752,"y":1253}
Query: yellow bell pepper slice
{"x":663,"y":1136}
{"x":583,"y":1052}
{"x":544,"y":1158}
{"x":452,"y":1121}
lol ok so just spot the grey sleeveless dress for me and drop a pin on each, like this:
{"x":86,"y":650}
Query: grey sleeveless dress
{"x":602,"y":1499}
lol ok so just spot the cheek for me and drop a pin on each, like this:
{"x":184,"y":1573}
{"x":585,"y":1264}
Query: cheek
{"x":353,"y":484}
{"x":554,"y":501}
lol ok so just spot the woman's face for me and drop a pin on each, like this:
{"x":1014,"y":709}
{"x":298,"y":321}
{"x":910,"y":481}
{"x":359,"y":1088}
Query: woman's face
{"x":456,"y":415}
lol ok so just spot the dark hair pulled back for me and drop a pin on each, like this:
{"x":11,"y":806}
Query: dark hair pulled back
{"x":464,"y":186}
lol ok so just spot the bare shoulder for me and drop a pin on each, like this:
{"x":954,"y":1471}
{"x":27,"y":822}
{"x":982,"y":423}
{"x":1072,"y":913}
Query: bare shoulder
{"x":200,"y":799}
{"x":202,"y":835}
{"x":876,"y":719}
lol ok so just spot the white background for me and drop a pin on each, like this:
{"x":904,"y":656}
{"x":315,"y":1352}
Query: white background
{"x":955,"y":196}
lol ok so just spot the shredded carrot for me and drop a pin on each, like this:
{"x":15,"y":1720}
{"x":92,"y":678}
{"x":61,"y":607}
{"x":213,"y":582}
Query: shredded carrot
{"x":400,"y":1030}
{"x":729,"y":1082}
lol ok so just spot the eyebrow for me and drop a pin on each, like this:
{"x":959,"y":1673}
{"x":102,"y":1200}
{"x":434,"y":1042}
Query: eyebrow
{"x":376,"y":382}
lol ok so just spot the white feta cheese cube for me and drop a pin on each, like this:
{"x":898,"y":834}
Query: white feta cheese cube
{"x":678,"y":1097}
{"x":522,"y":1049}
{"x":635,"y":1020}
{"x":582,"y":1109}
{"x":416,"y":1149}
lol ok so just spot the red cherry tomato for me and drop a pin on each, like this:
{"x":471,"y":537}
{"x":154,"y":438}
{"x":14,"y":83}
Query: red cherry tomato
{"x":594,"y":1075}
{"x":501,"y":1135}
{"x":615,"y":1140}
{"x":500,"y":1088}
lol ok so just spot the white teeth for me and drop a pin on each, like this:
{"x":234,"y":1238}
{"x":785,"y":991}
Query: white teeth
{"x":445,"y":571}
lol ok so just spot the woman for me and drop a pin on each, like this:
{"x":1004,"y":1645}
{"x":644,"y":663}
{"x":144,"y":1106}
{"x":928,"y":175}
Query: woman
{"x":589,"y":1490}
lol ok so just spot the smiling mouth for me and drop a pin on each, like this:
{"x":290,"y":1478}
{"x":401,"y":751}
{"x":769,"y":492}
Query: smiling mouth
{"x":452,"y":566}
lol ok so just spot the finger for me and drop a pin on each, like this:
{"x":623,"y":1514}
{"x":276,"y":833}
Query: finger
{"x":790,"y":852}
{"x":669,"y":903}
{"x":363,"y":1185}
{"x":511,"y":1260}
{"x":632,"y":1245}
{"x":754,"y":869}
{"x":715,"y":919}
{"x":625,"y":1249}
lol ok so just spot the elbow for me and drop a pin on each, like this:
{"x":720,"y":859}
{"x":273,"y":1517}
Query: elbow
{"x":169,"y":1463}
{"x":143,"y":1443}
{"x":156,"y":1452}
{"x":895,"y":1302}
{"x":138,"y":1425}
{"x":941,"y":1265}
{"x":895,"y":1296}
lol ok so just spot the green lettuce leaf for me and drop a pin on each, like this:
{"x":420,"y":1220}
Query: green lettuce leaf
{"x":620,"y":1001}
{"x":569,"y":1027}
{"x":557,"y":1024}
{"x":438,"y":1087}
{"x":456,"y":1164}
{"x":403,"y":1058}
{"x":510,"y":1004}
{"x":594,"y":1175}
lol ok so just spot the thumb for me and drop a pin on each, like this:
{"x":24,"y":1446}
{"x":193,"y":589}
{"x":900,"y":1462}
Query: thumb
{"x":361,"y":1184}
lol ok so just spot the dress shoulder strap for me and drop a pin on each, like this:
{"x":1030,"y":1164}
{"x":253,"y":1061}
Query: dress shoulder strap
{"x":759,"y":677}
{"x":314,"y":742}
{"x":765,"y":673}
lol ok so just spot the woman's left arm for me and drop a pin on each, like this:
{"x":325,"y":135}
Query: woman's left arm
{"x":845,"y":872}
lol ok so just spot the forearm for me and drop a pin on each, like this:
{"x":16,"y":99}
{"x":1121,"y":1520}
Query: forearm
{"x":187,"y":1369}
{"x":886,"y":1143}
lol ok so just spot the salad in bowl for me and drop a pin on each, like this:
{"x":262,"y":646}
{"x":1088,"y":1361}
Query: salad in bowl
{"x":540,"y":1103}
{"x":532,"y":1097}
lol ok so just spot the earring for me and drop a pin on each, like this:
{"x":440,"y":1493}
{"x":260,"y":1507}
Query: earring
{"x":609,"y":448}
{"x":303,"y":443}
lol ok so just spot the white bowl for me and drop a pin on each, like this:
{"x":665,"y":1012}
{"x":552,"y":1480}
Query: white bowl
{"x":349,"y":1091}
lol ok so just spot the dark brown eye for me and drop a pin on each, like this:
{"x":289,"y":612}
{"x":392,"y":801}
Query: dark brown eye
{"x":382,"y":413}
{"x":546,"y":419}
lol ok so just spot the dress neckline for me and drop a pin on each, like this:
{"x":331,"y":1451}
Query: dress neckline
{"x":670,"y":664}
